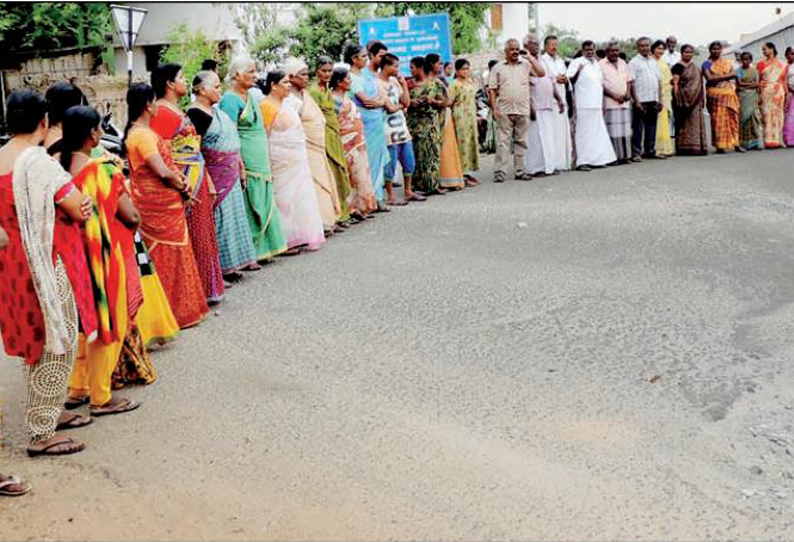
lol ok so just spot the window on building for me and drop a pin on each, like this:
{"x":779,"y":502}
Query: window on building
{"x":496,"y":17}
{"x":152,"y":53}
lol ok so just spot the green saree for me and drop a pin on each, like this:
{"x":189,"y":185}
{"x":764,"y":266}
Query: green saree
{"x":260,"y":203}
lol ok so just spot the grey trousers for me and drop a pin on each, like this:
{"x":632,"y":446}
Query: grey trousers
{"x":511,"y":129}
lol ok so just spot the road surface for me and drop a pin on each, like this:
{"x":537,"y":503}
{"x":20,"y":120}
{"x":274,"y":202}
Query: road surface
{"x":592,"y":356}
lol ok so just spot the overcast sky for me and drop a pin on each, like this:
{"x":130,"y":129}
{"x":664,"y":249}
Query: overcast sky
{"x":695,"y":22}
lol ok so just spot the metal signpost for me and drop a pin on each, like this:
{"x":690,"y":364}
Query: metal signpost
{"x":128,"y":21}
{"x":407,"y":37}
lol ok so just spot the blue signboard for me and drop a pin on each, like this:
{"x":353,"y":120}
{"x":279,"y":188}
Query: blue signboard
{"x":407,"y":37}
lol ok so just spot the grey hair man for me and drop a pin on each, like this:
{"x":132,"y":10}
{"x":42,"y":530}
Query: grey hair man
{"x":508,"y":93}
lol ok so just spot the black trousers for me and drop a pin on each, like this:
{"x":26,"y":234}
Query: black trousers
{"x":643,"y":128}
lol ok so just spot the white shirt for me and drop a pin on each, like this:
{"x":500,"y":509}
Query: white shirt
{"x":588,"y":90}
{"x":671,"y":59}
{"x":646,"y":75}
{"x":554,"y":66}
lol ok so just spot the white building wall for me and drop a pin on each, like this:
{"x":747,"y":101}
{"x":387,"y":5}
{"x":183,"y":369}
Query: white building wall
{"x":515,"y":22}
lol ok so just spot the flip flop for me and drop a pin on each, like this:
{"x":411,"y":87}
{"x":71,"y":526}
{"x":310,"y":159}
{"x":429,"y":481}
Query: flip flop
{"x":14,"y":481}
{"x":70,"y":423}
{"x":417,"y":197}
{"x":59,"y":442}
{"x":126,"y":405}
{"x":72,"y":404}
{"x":398,"y":203}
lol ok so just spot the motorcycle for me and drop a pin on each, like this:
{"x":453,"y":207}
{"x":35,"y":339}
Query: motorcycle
{"x":111,"y":136}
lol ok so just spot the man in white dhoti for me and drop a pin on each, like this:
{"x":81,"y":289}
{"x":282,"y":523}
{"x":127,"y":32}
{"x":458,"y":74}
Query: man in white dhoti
{"x":540,"y":160}
{"x":593,"y":146}
{"x":555,"y":66}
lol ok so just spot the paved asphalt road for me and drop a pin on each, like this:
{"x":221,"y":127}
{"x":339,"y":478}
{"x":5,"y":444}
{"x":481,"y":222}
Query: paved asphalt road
{"x":602,"y":355}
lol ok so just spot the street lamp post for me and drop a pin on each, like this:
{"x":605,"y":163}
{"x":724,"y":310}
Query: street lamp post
{"x":128,"y":21}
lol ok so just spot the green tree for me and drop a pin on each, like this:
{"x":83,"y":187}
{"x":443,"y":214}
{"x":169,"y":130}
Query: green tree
{"x":326,"y":29}
{"x":467,"y":19}
{"x":190,"y":48}
{"x":264,"y":37}
{"x":41,"y":26}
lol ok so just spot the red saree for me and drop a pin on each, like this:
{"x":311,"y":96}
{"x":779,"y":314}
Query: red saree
{"x":178,"y":131}
{"x":164,"y":227}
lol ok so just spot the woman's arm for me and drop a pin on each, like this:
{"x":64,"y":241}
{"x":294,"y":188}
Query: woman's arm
{"x":3,"y":238}
{"x":243,"y":174}
{"x":169,"y":177}
{"x":77,"y":206}
{"x":368,"y":103}
{"x":127,"y":213}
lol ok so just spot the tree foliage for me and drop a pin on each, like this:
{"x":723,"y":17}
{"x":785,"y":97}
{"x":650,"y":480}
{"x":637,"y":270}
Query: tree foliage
{"x":466,"y":20}
{"x":264,"y":37}
{"x":325,"y":29}
{"x":63,"y":25}
{"x":190,"y":48}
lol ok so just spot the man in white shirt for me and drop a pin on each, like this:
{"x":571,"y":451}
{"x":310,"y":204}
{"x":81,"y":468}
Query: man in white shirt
{"x":646,"y":92}
{"x":543,"y":110}
{"x":593,"y":146}
{"x":555,"y":67}
{"x":671,"y":57}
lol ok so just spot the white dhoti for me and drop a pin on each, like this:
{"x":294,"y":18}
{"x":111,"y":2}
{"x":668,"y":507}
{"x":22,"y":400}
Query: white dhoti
{"x":542,"y":155}
{"x":563,"y":147}
{"x":593,"y":146}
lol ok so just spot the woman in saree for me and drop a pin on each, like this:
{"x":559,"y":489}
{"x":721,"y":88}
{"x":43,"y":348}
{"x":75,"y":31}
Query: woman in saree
{"x":109,"y":245}
{"x":45,"y":286}
{"x":264,"y":220}
{"x":160,"y":193}
{"x":334,"y":150}
{"x":313,"y":122}
{"x":220,"y":146}
{"x":451,"y":168}
{"x":749,"y":116}
{"x":664,"y":143}
{"x":722,"y":101}
{"x":690,"y":130}
{"x":351,"y":131}
{"x":772,"y":74}
{"x":427,"y":99}
{"x":462,"y":94}
{"x":175,"y":128}
{"x":10,"y":485}
{"x":788,"y":126}
{"x":292,"y":176}
{"x":366,"y":94}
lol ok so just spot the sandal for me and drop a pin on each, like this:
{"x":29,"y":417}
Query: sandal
{"x":523,"y":176}
{"x":11,"y":480}
{"x":75,"y":421}
{"x":294,"y":251}
{"x":73,"y":403}
{"x":417,"y":197}
{"x":79,"y":447}
{"x":123,"y":405}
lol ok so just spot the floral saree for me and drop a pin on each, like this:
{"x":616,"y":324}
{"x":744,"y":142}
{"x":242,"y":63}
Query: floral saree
{"x":351,"y":130}
{"x":772,"y":85}
{"x":176,"y":128}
